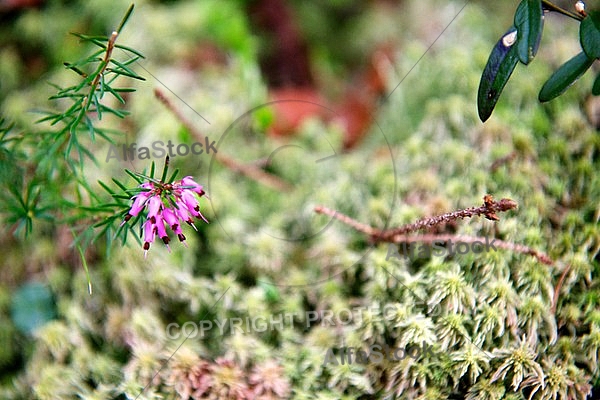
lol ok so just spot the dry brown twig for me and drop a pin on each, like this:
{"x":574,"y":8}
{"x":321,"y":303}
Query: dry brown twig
{"x":251,"y":171}
{"x":395,"y":235}
{"x":400,"y":235}
{"x":503,"y":161}
{"x":558,"y":288}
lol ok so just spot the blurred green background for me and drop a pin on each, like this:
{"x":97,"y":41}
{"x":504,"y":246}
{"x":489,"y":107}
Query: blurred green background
{"x":423,"y":152}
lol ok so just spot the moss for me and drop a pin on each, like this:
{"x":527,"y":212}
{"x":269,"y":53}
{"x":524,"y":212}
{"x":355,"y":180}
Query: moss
{"x":266,"y":254}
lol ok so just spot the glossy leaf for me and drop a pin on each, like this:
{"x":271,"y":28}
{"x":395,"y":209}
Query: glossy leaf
{"x":565,"y":76}
{"x":596,"y":87}
{"x":497,"y":72}
{"x":529,"y":21}
{"x":589,"y":34}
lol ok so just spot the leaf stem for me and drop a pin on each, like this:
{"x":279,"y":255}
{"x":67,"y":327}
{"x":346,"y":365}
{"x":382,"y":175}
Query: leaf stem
{"x":553,"y":7}
{"x":97,"y":77}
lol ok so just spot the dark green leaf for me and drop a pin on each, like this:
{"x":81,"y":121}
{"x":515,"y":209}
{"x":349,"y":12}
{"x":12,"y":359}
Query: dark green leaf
{"x":126,"y":72}
{"x":89,"y":37}
{"x":50,"y":117}
{"x":596,"y":87}
{"x":66,"y":95}
{"x":103,"y":222}
{"x":165,"y":169}
{"x":97,"y":40}
{"x":74,"y":68}
{"x":497,"y":72}
{"x":136,"y":237}
{"x":122,"y":197}
{"x":134,"y":176}
{"x":129,"y":49}
{"x":131,"y":60}
{"x":90,"y":126}
{"x":96,"y":102}
{"x":529,"y":21}
{"x":125,"y":18}
{"x":103,"y":133}
{"x":589,"y":34}
{"x":152,"y":167}
{"x":119,"y":184}
{"x":173,"y":175}
{"x":565,"y":76}
{"x":109,"y":190}
{"x":118,"y":113}
{"x":114,"y":93}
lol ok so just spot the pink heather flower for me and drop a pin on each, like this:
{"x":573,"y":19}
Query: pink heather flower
{"x":173,"y":221}
{"x":183,"y":213}
{"x":189,"y":199}
{"x":140,"y":201}
{"x":160,"y":229}
{"x":154,"y":206}
{"x":188,"y":181}
{"x":191,"y":204}
{"x":170,"y":218}
{"x":186,"y":206}
{"x":148,"y":236}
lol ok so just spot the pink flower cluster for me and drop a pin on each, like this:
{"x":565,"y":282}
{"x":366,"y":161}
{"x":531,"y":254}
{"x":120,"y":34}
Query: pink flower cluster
{"x":170,"y":204}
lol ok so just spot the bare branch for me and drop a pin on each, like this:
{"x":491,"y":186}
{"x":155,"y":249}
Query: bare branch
{"x":251,"y":171}
{"x":488,"y":209}
{"x":399,"y":235}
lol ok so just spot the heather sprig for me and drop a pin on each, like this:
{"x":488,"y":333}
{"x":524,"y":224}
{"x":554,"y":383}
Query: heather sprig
{"x":43,"y":175}
{"x":157,"y":203}
{"x":99,"y":72}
